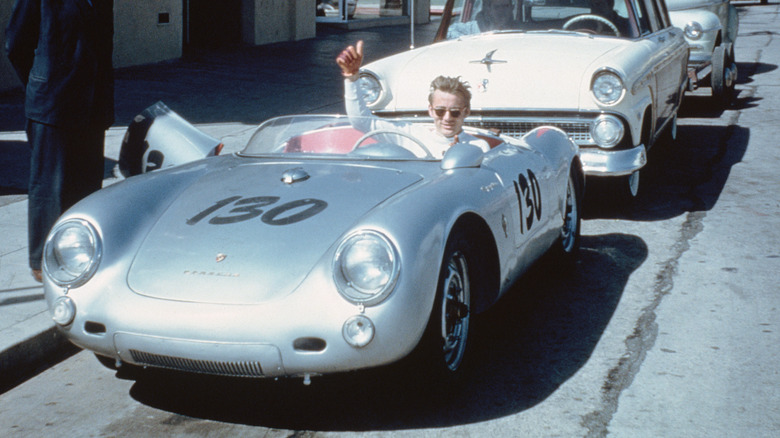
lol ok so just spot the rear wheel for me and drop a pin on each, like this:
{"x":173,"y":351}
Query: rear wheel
{"x":569,"y":241}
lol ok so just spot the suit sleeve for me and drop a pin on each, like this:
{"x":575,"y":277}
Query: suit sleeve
{"x":21,"y":36}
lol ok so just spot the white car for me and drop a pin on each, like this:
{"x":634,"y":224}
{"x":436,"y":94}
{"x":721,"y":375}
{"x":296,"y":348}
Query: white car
{"x":613,"y":84}
{"x":711,"y":29}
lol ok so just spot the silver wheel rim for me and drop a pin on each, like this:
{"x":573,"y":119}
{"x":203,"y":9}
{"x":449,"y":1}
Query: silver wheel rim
{"x":569,"y":230}
{"x":455,"y":311}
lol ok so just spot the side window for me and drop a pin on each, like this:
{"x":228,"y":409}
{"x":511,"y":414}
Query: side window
{"x":642,"y":21}
{"x":653,"y":14}
{"x":663,"y":14}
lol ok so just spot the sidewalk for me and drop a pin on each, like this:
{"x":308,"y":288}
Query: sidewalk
{"x":224,"y":93}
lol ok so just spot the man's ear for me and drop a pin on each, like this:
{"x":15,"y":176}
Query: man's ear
{"x":430,"y":111}
{"x":466,"y":111}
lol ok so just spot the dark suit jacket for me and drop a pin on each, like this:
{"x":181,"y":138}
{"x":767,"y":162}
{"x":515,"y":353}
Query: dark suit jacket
{"x":61,"y":50}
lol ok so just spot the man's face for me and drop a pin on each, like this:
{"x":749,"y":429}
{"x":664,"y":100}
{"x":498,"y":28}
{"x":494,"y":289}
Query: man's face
{"x":499,"y":12}
{"x":443,"y":109}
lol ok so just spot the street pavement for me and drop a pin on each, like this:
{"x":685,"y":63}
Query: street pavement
{"x":225,"y":93}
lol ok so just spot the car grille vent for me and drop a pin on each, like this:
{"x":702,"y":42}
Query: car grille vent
{"x":577,"y":131}
{"x":234,"y":369}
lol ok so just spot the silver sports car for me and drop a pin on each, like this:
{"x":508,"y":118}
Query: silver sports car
{"x":319,"y":248}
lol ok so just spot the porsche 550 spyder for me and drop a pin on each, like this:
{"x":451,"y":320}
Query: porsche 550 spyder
{"x":319,"y":248}
{"x":611,"y":73}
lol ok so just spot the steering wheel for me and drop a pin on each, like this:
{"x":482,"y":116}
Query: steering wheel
{"x":375,"y":132}
{"x":597,"y":18}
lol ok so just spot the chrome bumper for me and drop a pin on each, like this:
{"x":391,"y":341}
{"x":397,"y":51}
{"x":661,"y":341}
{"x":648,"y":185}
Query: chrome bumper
{"x":599,"y":162}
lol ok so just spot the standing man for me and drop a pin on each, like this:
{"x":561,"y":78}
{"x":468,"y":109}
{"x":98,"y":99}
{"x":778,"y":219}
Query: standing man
{"x":61,"y":50}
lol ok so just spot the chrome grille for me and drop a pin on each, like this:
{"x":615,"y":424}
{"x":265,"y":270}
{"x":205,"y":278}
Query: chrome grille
{"x":234,"y":369}
{"x":577,"y":131}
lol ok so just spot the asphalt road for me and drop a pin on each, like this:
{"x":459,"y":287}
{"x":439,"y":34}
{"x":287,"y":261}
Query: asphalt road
{"x":668,"y":326}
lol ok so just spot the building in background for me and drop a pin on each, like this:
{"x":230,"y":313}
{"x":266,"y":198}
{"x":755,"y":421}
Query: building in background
{"x":148,"y":31}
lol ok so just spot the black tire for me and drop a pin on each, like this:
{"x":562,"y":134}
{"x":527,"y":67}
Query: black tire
{"x":568,"y":246}
{"x":721,"y":83}
{"x":443,"y":352}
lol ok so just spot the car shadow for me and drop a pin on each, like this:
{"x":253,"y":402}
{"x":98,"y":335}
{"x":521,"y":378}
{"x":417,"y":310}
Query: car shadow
{"x":538,"y":336}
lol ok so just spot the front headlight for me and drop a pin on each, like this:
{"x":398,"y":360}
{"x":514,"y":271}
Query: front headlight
{"x":607,"y":131}
{"x":693,"y":30}
{"x":607,"y":87}
{"x":72,"y":253}
{"x":366,"y":267}
{"x":372,"y":89}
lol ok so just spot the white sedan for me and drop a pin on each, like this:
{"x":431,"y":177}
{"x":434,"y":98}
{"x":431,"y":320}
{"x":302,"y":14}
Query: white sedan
{"x":711,"y":30}
{"x":611,"y":75}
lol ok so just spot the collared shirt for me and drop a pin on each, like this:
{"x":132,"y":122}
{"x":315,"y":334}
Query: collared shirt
{"x":437,"y":143}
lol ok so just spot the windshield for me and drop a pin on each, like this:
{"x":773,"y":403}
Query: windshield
{"x":621,"y":18}
{"x":350,"y":137}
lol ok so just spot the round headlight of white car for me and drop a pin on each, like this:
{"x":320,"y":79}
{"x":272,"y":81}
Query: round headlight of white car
{"x":607,"y":87}
{"x":366,"y":267}
{"x":72,"y":253}
{"x":693,"y":30}
{"x":607,"y":131}
{"x":372,"y":89}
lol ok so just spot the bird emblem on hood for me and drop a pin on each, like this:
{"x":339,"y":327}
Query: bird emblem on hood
{"x":488,"y":60}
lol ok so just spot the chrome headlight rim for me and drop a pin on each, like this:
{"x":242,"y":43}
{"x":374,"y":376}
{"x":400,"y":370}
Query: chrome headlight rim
{"x":373,"y":91}
{"x":354,"y":290}
{"x":693,"y":30}
{"x":53,"y":263}
{"x":607,"y":142}
{"x":608,"y":87}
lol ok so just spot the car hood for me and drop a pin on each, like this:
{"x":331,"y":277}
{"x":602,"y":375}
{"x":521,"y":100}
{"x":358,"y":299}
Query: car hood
{"x":237,"y":237}
{"x":533,"y":71}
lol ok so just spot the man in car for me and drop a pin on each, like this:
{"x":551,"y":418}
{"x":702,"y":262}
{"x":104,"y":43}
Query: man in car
{"x":449,"y":103}
{"x":495,"y":15}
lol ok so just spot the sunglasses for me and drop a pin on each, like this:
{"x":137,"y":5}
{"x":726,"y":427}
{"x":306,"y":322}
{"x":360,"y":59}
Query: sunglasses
{"x":454,"y":112}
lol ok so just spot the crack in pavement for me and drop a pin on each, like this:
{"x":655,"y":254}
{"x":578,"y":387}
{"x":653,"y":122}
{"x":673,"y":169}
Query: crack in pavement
{"x":645,"y":333}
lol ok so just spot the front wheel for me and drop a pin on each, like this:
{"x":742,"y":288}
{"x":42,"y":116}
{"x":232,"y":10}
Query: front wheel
{"x":443,"y":351}
{"x":721,"y":79}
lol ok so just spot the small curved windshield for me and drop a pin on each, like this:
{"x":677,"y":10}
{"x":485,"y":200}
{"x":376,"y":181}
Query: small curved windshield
{"x":621,"y":18}
{"x":342,"y":136}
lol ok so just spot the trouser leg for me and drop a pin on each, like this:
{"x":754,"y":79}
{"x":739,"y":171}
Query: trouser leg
{"x":65,"y":167}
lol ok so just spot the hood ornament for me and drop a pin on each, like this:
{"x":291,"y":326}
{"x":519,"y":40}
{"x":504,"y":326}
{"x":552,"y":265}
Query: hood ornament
{"x":488,"y":60}
{"x":295,"y":175}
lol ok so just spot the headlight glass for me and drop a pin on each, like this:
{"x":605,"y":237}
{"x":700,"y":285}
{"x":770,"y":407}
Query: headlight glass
{"x":366,"y":267}
{"x":608,"y":88}
{"x":607,"y":131}
{"x":693,"y":30}
{"x":72,"y":253}
{"x":372,"y":89}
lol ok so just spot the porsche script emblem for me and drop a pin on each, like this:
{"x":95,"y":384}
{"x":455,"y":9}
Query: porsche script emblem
{"x":488,"y":60}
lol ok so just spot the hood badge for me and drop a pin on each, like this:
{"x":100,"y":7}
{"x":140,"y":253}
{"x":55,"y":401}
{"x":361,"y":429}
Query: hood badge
{"x":294,"y":175}
{"x":221,"y":257}
{"x":488,"y":60}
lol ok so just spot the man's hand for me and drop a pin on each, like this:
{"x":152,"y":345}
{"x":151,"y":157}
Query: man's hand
{"x":350,"y":60}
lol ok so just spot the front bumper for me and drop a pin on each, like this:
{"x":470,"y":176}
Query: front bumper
{"x":601,"y":162}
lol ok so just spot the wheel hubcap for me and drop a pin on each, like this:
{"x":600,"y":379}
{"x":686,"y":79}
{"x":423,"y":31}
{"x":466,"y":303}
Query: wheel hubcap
{"x":455,"y":311}
{"x":569,"y":230}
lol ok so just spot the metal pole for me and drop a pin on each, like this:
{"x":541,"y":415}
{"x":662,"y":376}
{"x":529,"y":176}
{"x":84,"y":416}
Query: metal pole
{"x":412,"y":25}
